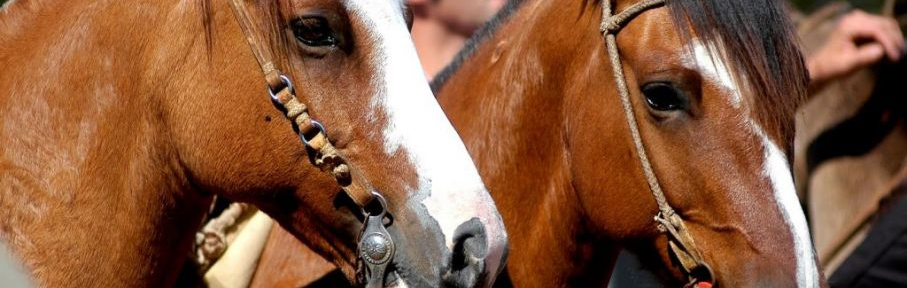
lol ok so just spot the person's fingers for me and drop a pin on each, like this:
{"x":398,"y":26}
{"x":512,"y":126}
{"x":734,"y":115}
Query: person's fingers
{"x":869,"y":53}
{"x":896,"y":37}
{"x":878,"y":34}
{"x":878,"y":29}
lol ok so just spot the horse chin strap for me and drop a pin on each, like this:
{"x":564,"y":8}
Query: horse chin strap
{"x":376,"y":246}
{"x":680,"y":243}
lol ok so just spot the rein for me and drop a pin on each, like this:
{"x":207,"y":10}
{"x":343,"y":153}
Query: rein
{"x":680,"y":242}
{"x":375,"y":245}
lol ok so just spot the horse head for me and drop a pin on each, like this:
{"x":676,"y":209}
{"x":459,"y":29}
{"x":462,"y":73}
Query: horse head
{"x":711,"y":88}
{"x":353,"y":64}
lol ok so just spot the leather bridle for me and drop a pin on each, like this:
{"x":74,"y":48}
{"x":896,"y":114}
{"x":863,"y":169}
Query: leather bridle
{"x":680,"y":243}
{"x":376,"y":247}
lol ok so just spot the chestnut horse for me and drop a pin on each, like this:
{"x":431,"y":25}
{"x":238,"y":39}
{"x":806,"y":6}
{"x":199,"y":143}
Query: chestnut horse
{"x":121,"y":120}
{"x":713,"y":84}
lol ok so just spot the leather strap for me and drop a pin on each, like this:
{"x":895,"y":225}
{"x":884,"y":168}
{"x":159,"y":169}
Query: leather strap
{"x":257,"y":44}
{"x":680,"y":242}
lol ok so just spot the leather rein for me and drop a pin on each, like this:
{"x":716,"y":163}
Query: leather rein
{"x":680,"y":243}
{"x":375,"y":247}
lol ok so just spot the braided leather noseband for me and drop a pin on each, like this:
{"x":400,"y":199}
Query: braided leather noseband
{"x":376,"y":246}
{"x":681,"y":244}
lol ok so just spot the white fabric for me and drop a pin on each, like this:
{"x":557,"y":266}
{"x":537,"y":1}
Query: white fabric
{"x":237,"y":266}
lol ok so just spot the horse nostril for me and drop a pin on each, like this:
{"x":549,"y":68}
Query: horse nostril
{"x":467,"y":261}
{"x":468,"y":250}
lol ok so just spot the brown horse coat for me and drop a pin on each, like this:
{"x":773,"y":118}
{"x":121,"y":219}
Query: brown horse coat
{"x":120,"y":120}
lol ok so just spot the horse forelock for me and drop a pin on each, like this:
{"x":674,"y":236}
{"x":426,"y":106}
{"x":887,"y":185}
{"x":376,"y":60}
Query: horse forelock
{"x":274,"y":27}
{"x":758,"y":41}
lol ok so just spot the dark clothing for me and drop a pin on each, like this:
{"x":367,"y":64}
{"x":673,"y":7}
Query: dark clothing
{"x":881,"y":260}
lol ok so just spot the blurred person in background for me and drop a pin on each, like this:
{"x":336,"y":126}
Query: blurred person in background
{"x":441,"y":27}
{"x":879,"y":258}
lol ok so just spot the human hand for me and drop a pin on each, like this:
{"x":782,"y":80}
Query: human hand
{"x":859,"y":40}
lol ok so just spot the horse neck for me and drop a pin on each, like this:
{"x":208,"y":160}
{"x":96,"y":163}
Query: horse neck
{"x":91,"y":189}
{"x":515,"y":133}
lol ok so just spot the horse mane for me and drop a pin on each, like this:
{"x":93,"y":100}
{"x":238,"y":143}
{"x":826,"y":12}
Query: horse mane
{"x":477,"y":38}
{"x":758,"y":40}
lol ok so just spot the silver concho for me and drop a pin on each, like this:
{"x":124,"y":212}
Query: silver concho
{"x":376,"y":248}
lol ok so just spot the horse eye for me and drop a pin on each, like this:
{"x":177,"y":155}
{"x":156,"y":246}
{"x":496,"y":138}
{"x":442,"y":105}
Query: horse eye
{"x":662,"y":96}
{"x":314,"y":31}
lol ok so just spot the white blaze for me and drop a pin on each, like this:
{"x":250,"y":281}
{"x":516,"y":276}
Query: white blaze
{"x":776,"y":168}
{"x":449,"y":183}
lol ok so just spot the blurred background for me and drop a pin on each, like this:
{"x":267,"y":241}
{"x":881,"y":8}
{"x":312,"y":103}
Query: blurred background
{"x":808,"y":6}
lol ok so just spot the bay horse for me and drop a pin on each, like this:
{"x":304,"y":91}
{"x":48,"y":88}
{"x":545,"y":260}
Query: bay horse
{"x":121,"y":120}
{"x":713,"y":86}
